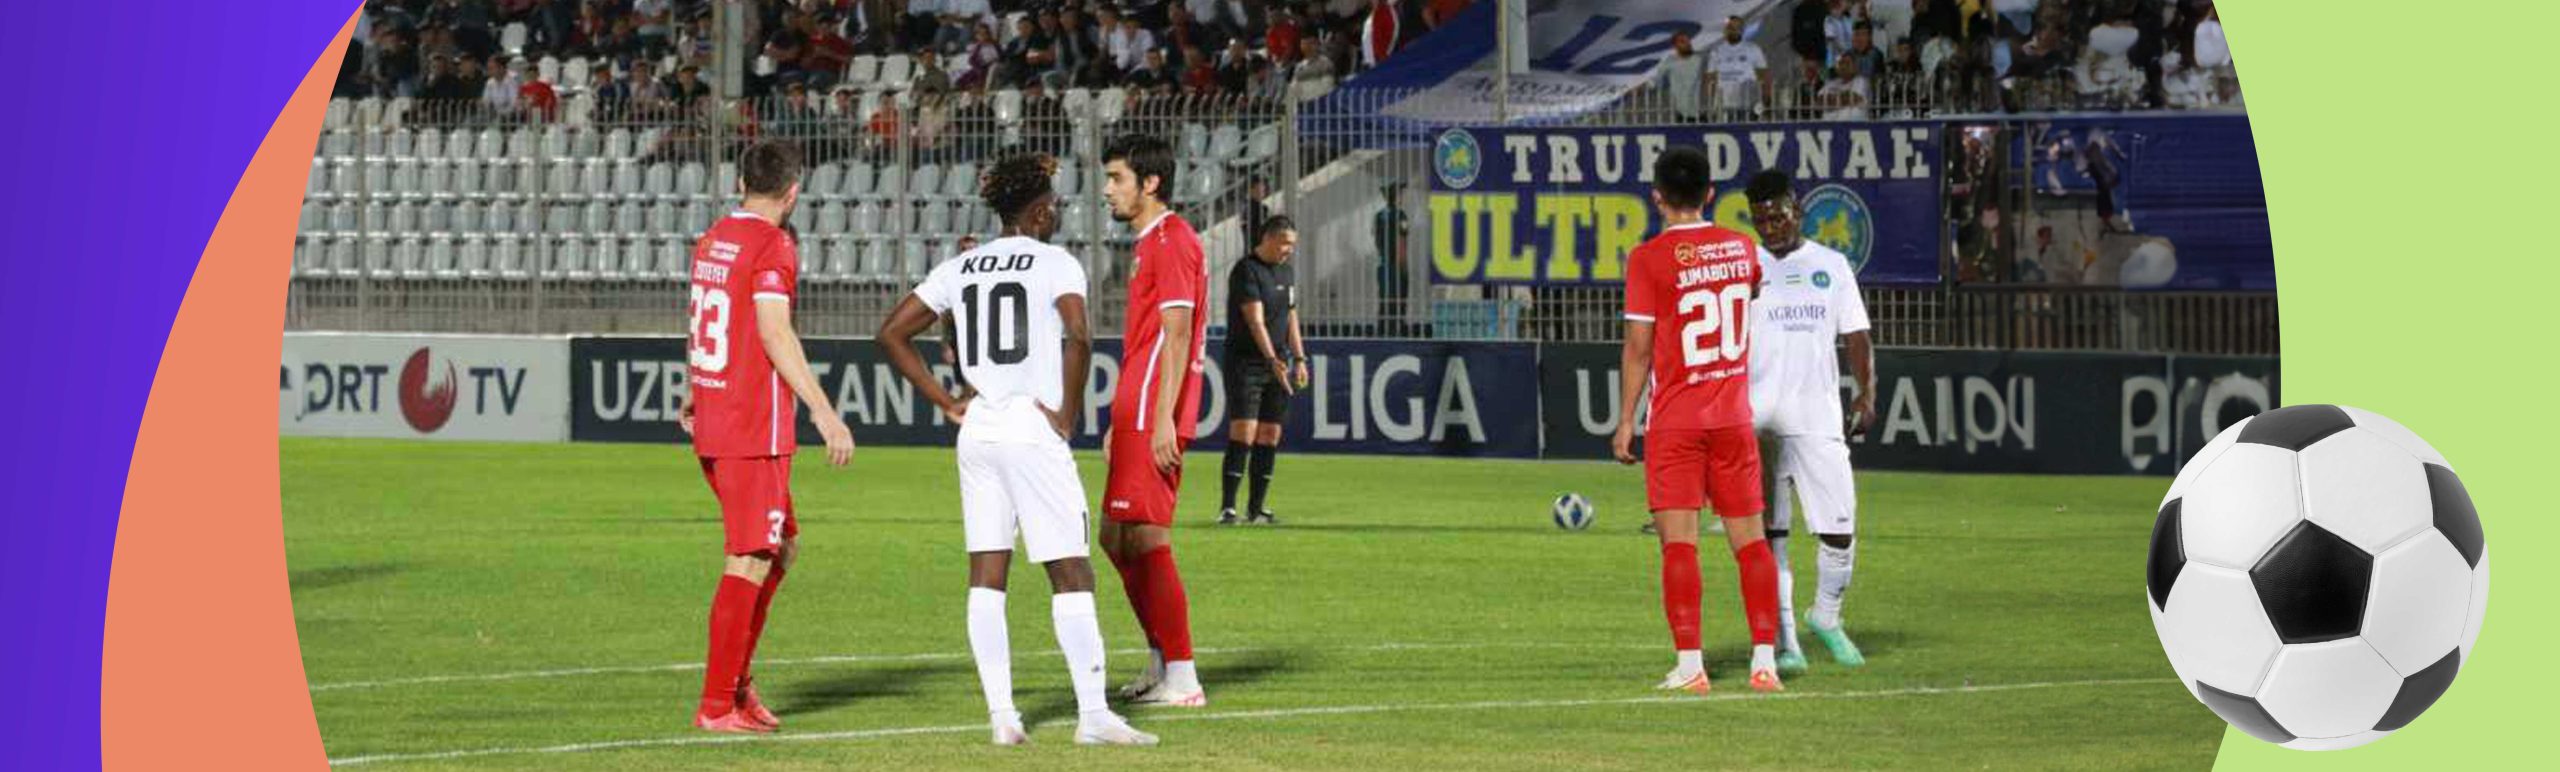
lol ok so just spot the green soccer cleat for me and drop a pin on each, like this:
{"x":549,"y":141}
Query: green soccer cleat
{"x":1791,"y":662}
{"x":1842,"y":649}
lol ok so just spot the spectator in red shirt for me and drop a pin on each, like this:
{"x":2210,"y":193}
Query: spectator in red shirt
{"x":828,"y":53}
{"x":1198,"y":76}
{"x":1282,"y":40}
{"x":538,"y":101}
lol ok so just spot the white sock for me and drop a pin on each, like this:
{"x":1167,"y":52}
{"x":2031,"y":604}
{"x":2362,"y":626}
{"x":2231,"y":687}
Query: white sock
{"x":994,"y":652}
{"x":1764,"y":657}
{"x":1786,"y":594}
{"x":1837,"y":565}
{"x":1180,"y":674}
{"x":1080,"y":637}
{"x":1690,"y":660}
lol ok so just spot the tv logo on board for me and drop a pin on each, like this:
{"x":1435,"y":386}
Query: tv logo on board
{"x":1457,"y":158}
{"x":426,"y":390}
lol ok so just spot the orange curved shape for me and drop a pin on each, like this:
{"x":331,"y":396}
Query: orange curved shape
{"x":201,"y":665}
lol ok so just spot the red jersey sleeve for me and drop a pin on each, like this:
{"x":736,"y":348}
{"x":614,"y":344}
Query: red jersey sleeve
{"x":1642,"y":306}
{"x":777,"y":270}
{"x":1181,"y":270}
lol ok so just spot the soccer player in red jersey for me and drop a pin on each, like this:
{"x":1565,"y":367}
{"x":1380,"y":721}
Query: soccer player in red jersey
{"x":1153,"y":412}
{"x":1689,"y":294}
{"x":745,"y":364}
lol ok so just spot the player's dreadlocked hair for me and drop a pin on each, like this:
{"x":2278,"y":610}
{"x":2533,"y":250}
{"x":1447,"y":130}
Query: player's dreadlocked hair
{"x":1011,"y":185}
{"x":1770,"y":185}
{"x":1683,"y":177}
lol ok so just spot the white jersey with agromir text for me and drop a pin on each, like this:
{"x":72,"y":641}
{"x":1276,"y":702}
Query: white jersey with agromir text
{"x":1808,"y":299}
{"x":1007,"y":336}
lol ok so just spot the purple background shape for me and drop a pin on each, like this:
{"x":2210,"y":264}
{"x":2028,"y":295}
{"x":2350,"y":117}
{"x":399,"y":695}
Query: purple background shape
{"x":132,"y":123}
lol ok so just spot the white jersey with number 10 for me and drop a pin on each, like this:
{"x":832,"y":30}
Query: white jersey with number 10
{"x":1007,"y":337}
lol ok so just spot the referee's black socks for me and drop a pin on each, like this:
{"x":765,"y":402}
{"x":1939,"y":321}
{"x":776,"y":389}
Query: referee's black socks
{"x":1232,"y":472}
{"x":1263,"y":458}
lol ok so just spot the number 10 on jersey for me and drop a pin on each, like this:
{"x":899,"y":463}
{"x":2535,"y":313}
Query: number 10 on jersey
{"x":1722,"y":329}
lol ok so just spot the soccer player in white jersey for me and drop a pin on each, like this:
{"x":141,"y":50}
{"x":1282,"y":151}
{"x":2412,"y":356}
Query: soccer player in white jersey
{"x":1808,"y":308}
{"x":1018,"y":324}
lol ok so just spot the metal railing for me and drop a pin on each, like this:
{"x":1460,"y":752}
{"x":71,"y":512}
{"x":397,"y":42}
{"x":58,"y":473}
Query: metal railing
{"x":457,"y":217}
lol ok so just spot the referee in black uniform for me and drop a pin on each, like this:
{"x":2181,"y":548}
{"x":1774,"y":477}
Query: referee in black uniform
{"x":1263,"y":368}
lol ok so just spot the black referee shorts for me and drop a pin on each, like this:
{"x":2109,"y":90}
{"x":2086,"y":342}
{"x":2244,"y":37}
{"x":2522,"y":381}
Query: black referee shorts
{"x":1255,"y":392}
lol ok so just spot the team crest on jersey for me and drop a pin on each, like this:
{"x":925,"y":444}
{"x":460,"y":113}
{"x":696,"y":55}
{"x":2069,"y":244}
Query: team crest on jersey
{"x":1822,"y":280}
{"x":1835,"y":217}
{"x":1456,"y":158}
{"x":1685,"y":254}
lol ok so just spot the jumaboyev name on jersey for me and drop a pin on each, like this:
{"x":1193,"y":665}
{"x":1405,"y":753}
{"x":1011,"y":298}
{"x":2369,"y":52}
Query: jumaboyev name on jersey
{"x":1723,"y":270}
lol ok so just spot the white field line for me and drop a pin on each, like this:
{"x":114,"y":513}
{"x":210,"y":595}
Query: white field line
{"x":1156,"y":718}
{"x":922,"y":657}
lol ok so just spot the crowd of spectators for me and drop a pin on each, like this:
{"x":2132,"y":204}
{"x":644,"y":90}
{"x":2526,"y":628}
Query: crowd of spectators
{"x":513,"y":59}
{"x":1851,"y":59}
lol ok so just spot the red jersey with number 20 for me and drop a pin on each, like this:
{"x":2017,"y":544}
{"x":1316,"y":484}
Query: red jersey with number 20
{"x":1172,"y":273}
{"x":740,"y":406}
{"x":1694,"y":282}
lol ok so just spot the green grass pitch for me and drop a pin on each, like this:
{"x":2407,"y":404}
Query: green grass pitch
{"x":542,"y":606}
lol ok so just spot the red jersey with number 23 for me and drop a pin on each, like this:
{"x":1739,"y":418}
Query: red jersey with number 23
{"x":740,"y":406}
{"x":1694,"y":282}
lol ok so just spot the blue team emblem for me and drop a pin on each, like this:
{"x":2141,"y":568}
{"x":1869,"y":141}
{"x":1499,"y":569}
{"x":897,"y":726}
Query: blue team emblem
{"x":1456,"y":158}
{"x":1822,"y":280}
{"x":1835,"y":217}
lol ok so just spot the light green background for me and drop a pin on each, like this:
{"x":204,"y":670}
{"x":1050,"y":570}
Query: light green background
{"x":2407,"y":153}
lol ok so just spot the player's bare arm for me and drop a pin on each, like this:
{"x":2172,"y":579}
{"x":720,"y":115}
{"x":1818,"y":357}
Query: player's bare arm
{"x":1077,"y":360}
{"x":1635,"y":366}
{"x":1170,"y":359}
{"x":1862,"y":365}
{"x":782,"y":347}
{"x":1262,"y":343}
{"x":898,"y":340}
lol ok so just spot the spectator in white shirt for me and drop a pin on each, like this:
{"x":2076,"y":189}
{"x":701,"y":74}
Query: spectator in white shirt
{"x":1680,"y":77}
{"x":1742,"y":72}
{"x":1844,"y":96}
{"x":500,"y":91}
{"x":1839,"y":31}
{"x":1129,"y":45}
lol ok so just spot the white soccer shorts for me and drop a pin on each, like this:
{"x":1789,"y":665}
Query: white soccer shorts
{"x":1031,"y":489}
{"x":1817,"y":469}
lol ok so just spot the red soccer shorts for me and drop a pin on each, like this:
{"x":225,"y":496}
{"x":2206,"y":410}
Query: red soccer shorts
{"x":1685,"y":469}
{"x":755,"y":501}
{"x":1136,"y":492}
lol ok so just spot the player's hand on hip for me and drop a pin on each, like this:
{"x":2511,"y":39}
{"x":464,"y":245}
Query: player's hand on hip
{"x":1168,"y":452}
{"x":1623,"y":443}
{"x":839,"y":439}
{"x":1065,"y":424}
{"x":959,"y":409}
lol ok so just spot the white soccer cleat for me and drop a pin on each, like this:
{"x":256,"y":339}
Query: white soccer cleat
{"x":1007,"y":729}
{"x":1693,"y":681}
{"x":1109,"y":729}
{"x":1173,"y":695}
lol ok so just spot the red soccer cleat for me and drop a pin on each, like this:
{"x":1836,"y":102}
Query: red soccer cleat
{"x":732,"y":722}
{"x":753,"y":708}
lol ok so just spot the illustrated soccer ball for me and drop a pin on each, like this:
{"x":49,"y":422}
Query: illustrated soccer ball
{"x":1572,"y":512}
{"x":2317,"y":576}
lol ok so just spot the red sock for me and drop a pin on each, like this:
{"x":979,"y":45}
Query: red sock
{"x":1168,"y":609}
{"x":755,"y":628}
{"x":1759,"y":590}
{"x":1680,"y":591}
{"x":732,"y":611}
{"x":1133,"y":580}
